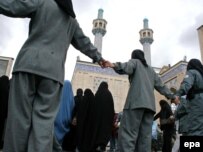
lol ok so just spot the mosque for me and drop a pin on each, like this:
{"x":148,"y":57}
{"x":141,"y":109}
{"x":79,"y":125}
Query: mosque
{"x":90,"y":75}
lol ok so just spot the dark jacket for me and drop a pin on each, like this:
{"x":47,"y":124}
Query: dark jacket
{"x":51,"y":31}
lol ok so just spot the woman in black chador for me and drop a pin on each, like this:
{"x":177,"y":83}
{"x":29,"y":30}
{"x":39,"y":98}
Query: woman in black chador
{"x":103,"y":116}
{"x":167,"y":124}
{"x":84,"y":122}
{"x":69,"y":142}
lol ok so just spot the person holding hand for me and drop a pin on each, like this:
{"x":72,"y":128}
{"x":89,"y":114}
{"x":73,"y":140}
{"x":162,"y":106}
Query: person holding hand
{"x":138,"y":113}
{"x":39,"y":70}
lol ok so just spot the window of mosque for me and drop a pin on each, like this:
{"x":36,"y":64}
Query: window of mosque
{"x":148,"y":34}
{"x":95,"y":25}
{"x":100,"y":24}
{"x":144,"y":34}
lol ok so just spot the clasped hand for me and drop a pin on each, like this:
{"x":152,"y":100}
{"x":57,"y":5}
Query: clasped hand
{"x":106,"y":64}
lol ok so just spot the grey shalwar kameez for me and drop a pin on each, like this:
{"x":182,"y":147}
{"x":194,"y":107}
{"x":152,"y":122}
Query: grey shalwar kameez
{"x":38,"y":73}
{"x":195,"y":105}
{"x":136,"y":124}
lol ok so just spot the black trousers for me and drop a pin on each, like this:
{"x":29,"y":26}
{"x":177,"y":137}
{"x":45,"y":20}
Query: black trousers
{"x":167,"y":140}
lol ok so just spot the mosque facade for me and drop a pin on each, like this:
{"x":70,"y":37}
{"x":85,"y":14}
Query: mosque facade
{"x":90,"y":75}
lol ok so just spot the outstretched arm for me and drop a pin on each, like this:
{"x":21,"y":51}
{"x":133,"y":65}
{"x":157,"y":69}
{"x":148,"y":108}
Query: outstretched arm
{"x":18,"y":8}
{"x":162,"y":88}
{"x":82,"y":43}
{"x":122,"y":68}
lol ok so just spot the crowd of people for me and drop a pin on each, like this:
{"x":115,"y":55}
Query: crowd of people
{"x":41,"y":113}
{"x":92,"y":118}
{"x":87,"y":122}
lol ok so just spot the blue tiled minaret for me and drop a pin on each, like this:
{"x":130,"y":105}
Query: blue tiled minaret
{"x":99,"y":30}
{"x":146,"y":39}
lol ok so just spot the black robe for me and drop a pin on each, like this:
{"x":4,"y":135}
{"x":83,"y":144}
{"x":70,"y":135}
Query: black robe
{"x":84,"y":122}
{"x":103,"y":115}
{"x":70,"y":139}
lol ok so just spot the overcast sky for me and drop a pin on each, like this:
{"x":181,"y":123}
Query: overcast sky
{"x":174,"y":23}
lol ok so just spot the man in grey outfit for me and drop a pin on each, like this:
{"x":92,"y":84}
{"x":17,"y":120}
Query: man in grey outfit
{"x":38,"y":73}
{"x":138,"y":113}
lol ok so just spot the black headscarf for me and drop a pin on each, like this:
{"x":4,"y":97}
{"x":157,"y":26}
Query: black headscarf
{"x":164,"y":104}
{"x":79,"y":92}
{"x":103,"y":86}
{"x":78,"y":99}
{"x":139,"y":54}
{"x":67,"y":6}
{"x":195,"y":64}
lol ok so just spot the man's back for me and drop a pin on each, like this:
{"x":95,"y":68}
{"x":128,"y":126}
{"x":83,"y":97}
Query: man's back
{"x":50,"y":34}
{"x":141,"y":87}
{"x":143,"y":81}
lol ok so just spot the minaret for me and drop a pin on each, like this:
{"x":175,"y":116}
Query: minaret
{"x":200,"y":35}
{"x":99,"y":30}
{"x":146,"y":39}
